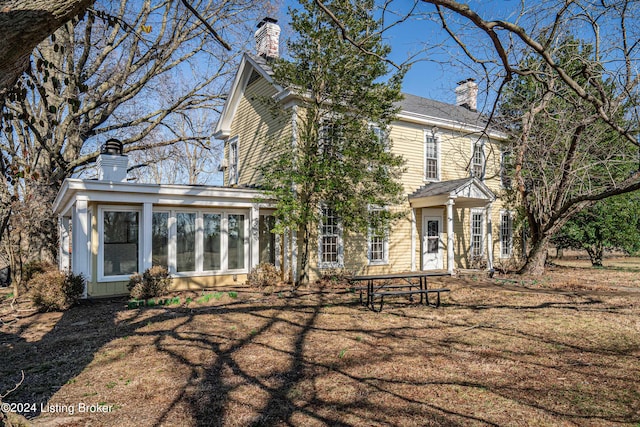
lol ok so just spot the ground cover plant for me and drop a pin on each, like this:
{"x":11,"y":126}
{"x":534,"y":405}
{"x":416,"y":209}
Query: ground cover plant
{"x":562,"y":349}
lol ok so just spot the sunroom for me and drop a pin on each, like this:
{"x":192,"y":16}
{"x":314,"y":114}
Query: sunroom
{"x":206,"y":236}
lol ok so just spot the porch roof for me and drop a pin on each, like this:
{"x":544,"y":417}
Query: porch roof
{"x":466,"y":192}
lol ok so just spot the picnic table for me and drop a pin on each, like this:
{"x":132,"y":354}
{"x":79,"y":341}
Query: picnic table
{"x":386,"y":285}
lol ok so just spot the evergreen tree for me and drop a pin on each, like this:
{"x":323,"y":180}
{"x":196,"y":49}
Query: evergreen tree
{"x":341,"y":158}
{"x":613,"y":223}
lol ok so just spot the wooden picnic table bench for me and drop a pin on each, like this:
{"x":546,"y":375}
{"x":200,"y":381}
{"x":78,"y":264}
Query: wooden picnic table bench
{"x":388,"y":288}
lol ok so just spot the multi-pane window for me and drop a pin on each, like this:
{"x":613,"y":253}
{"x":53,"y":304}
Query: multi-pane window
{"x":506,"y":234}
{"x":433,"y":236}
{"x":233,"y":161}
{"x":330,"y":139}
{"x":505,"y":178}
{"x":160,"y":239}
{"x":477,"y":162}
{"x":476,"y":234}
{"x":378,"y":239}
{"x":431,"y":157}
{"x":121,"y":243}
{"x":330,"y":239}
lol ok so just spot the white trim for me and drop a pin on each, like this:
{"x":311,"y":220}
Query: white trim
{"x":339,"y":243}
{"x":414,"y":233}
{"x":115,"y":208}
{"x":435,"y":213}
{"x":475,"y":142}
{"x":511,"y":215}
{"x":450,"y":237}
{"x":159,"y":194}
{"x":233,"y":168}
{"x":385,"y":244}
{"x":482,"y":213}
{"x":433,"y":133}
{"x":247,"y":66}
{"x":407,"y":116}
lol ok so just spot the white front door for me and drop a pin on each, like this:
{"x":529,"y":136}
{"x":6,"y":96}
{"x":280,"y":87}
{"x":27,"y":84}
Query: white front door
{"x":432,"y":243}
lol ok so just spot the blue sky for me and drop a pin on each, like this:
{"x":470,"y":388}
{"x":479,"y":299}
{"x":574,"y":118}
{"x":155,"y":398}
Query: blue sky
{"x":437,"y":73}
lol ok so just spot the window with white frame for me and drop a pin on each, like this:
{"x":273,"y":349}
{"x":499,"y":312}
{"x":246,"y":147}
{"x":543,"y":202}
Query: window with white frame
{"x":505,"y":160}
{"x":330,"y":139}
{"x":478,"y":160}
{"x":185,"y":241}
{"x":119,"y":242}
{"x":235,"y":241}
{"x":330,"y":242}
{"x":477,"y":220}
{"x":430,"y":156}
{"x":233,"y":161}
{"x":160,"y":239}
{"x":378,"y":242}
{"x":212,"y":241}
{"x":506,"y":234}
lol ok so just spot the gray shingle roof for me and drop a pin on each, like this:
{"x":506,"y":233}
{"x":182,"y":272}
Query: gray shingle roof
{"x":414,"y":104}
{"x":429,"y":107}
{"x":437,"y":188}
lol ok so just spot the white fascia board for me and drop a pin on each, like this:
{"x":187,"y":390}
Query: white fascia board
{"x":168,"y":194}
{"x":422,"y":119}
{"x":247,"y":65}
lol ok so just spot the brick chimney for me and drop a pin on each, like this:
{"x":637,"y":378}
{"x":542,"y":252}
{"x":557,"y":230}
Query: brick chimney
{"x":268,"y":38}
{"x":112,"y":164}
{"x":467,"y":94}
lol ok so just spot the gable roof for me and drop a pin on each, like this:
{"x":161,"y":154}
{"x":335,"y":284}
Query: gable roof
{"x":416,"y":109}
{"x":467,"y":192}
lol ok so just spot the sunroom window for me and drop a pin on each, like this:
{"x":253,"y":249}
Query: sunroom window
{"x":121,"y":243}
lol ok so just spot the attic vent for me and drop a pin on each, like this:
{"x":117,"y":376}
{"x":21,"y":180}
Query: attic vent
{"x":254,"y":76}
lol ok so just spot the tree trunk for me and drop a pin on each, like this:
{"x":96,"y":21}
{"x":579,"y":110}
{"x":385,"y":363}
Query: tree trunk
{"x":304,"y":260}
{"x":25,"y":23}
{"x":535,"y":264}
{"x":596,"y":253}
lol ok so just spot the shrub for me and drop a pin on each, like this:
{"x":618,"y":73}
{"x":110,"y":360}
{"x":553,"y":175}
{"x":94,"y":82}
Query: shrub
{"x":336,"y":275}
{"x":263,"y":275}
{"x":154,"y":282}
{"x":31,"y":268}
{"x":56,"y":291}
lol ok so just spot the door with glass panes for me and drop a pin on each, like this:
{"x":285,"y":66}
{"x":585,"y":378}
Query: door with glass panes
{"x":432,"y":239}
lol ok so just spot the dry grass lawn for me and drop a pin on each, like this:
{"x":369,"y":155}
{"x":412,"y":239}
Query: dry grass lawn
{"x":561,"y":350}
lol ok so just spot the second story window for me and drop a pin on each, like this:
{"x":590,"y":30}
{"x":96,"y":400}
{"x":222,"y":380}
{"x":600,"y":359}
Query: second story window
{"x":477,"y":161}
{"x":430,"y":157}
{"x":505,"y":167}
{"x":329,"y":139}
{"x":233,"y":161}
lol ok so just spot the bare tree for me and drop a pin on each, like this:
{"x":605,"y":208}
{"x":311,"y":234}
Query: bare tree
{"x":605,"y":89}
{"x":103,"y":76}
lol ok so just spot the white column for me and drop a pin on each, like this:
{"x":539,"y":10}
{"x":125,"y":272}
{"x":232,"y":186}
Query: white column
{"x":146,"y":229}
{"x":64,"y":255}
{"x":81,"y":256}
{"x":489,"y":237}
{"x":450,"y":238}
{"x":254,"y":236}
{"x":414,"y":234}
